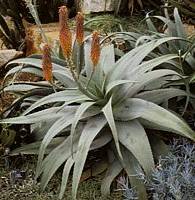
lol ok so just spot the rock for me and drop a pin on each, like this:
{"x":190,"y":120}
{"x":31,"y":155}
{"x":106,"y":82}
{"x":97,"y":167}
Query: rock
{"x":51,"y":31}
{"x":190,"y":29}
{"x":8,"y":54}
{"x":97,"y":6}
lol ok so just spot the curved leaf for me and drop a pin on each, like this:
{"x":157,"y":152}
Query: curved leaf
{"x":102,"y":140}
{"x":180,"y":30}
{"x":133,"y":136}
{"x":80,"y":111}
{"x":62,"y":96}
{"x":64,"y":78}
{"x":113,"y":170}
{"x":159,"y":148}
{"x":113,"y":84}
{"x":150,"y":24}
{"x":107,"y":110}
{"x":20,"y":88}
{"x":131,"y":60}
{"x":92,"y":128}
{"x":132,"y":169}
{"x":28,"y":69}
{"x":148,"y":78}
{"x":156,"y":116}
{"x":57,"y":127}
{"x":55,"y":159}
{"x":33,"y":62}
{"x":107,"y":58}
{"x":33,"y":148}
{"x":160,"y":95}
{"x":151,"y":64}
{"x":44,"y":115}
{"x":65,"y":175}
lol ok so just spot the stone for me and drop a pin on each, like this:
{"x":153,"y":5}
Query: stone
{"x":90,"y":6}
{"x":51,"y":31}
{"x":190,"y":29}
{"x":7,"y":55}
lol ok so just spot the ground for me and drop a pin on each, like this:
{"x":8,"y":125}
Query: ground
{"x":26,"y":189}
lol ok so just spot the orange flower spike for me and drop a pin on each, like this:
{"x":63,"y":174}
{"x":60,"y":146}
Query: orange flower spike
{"x":95,"y":48}
{"x":47,"y":63}
{"x":65,"y":33}
{"x":80,"y":28}
{"x":63,"y":16}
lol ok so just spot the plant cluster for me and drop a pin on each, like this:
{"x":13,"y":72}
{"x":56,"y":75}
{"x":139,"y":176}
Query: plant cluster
{"x":183,"y":46}
{"x":95,"y":98}
{"x":132,"y":4}
{"x":128,"y":192}
{"x":174,"y":176}
{"x":187,"y":7}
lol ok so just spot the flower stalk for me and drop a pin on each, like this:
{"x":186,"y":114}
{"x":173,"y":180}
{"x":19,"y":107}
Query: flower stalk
{"x":95,"y":53}
{"x":80,"y":28}
{"x":80,"y":42}
{"x":47,"y":63}
{"x":95,"y":49}
{"x":65,"y":35}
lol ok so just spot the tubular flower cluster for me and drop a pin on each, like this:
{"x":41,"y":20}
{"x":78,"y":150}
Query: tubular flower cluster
{"x":80,"y":28}
{"x":47,"y":63}
{"x":95,"y":48}
{"x":65,"y":33}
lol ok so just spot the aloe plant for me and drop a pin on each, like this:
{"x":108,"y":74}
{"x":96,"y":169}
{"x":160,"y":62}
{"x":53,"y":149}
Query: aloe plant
{"x":132,"y":4}
{"x":126,"y":110}
{"x":187,"y":7}
{"x":106,"y":103}
{"x":184,"y":47}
